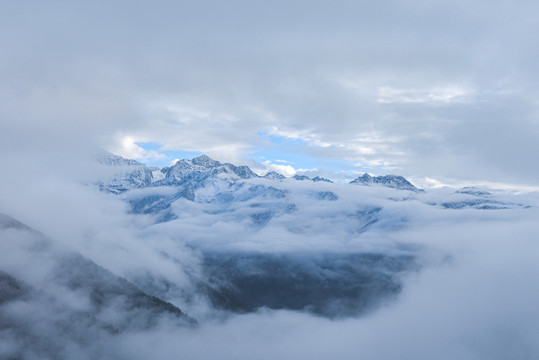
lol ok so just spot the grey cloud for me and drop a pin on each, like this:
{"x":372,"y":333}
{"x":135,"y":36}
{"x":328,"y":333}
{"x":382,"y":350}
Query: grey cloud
{"x":90,"y":71}
{"x":369,"y":79}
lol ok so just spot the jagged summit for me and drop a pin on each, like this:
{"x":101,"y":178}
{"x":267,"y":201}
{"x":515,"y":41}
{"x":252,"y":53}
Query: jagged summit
{"x":224,"y":188}
{"x":272,"y":175}
{"x":130,"y":174}
{"x":195,"y":173}
{"x":206,"y":161}
{"x":314,"y":179}
{"x":107,"y":158}
{"x":366,"y":178}
{"x":392,"y":181}
{"x":201,"y":168}
{"x":318,"y":178}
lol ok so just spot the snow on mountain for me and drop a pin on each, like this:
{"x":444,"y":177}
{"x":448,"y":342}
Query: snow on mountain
{"x":392,"y":181}
{"x":223,"y":188}
{"x":235,"y":199}
{"x":474,"y":200}
{"x":241,"y":243}
{"x":473,"y":191}
{"x":110,"y":159}
{"x":196,"y":172}
{"x":325,"y":195}
{"x":128,"y":174}
{"x":272,"y":175}
{"x":318,"y":178}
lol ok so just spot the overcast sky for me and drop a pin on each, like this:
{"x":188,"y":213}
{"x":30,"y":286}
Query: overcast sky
{"x":441,"y":89}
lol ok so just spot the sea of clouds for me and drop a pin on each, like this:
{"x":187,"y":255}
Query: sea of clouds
{"x":472,"y":296}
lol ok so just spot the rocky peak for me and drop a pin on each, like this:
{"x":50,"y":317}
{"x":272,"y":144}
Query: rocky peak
{"x":206,"y":161}
{"x":318,"y":178}
{"x":272,"y":175}
{"x":392,"y":181}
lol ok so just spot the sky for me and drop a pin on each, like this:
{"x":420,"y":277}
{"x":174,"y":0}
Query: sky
{"x":439,"y":90}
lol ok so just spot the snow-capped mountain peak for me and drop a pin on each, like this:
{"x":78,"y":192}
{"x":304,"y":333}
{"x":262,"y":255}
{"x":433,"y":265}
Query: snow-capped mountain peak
{"x":391,"y":181}
{"x":206,"y":161}
{"x":196,"y":171}
{"x":272,"y":175}
{"x":129,"y":174}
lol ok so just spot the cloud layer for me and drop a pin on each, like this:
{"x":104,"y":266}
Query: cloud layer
{"x":444,"y":90}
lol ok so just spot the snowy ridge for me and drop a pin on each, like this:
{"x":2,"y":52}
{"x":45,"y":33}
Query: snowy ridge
{"x":235,"y":194}
{"x":196,"y":172}
{"x":130,"y":174}
{"x":392,"y":181}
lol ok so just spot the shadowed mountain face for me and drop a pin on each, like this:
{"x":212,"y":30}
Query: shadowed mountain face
{"x":248,"y":209}
{"x":330,"y":285}
{"x":71,"y":297}
{"x":108,"y":292}
{"x":71,"y":272}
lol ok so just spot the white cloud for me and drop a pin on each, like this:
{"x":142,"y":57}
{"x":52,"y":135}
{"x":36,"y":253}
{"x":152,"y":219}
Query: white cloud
{"x":129,"y":149}
{"x":444,"y":91}
{"x":436,"y":95}
{"x":286,"y":170}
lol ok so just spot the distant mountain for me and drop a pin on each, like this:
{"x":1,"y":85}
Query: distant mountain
{"x":272,"y":175}
{"x":333,"y":285}
{"x":70,"y":274}
{"x":224,"y":188}
{"x":196,"y":172}
{"x":128,"y":174}
{"x":391,"y":181}
{"x":470,"y":190}
{"x":318,"y":178}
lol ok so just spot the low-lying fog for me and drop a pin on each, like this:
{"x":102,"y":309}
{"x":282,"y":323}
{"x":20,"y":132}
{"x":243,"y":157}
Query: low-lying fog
{"x":422,"y":282}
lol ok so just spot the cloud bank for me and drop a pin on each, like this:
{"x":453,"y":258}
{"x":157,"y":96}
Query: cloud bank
{"x":440,"y":90}
{"x":435,"y":90}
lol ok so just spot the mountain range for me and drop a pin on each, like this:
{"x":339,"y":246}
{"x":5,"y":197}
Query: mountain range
{"x":205,"y":180}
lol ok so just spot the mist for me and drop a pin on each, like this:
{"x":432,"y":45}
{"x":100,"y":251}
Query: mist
{"x":480,"y":304}
{"x":461,"y":280}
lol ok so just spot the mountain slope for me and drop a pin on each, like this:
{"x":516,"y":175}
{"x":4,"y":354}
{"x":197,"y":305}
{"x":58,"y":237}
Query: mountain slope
{"x":37,"y":271}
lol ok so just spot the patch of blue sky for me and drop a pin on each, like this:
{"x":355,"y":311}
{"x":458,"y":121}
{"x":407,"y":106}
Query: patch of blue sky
{"x":297,"y":153}
{"x":277,"y":149}
{"x":280,"y":140}
{"x":149,"y":145}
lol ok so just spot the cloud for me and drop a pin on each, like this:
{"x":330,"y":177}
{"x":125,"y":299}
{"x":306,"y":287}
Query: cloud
{"x":440,"y":95}
{"x":129,"y":149}
{"x":446,"y":89}
{"x":472,"y":298}
{"x":286,"y":170}
{"x":477,"y":305}
{"x":458,"y":87}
